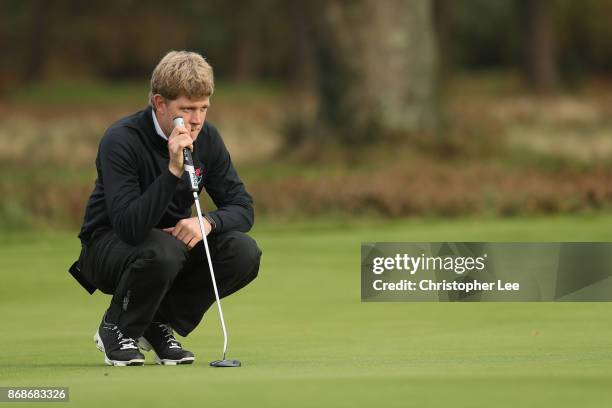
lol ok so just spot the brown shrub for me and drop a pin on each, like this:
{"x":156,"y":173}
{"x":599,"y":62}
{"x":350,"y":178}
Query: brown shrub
{"x":437,"y":189}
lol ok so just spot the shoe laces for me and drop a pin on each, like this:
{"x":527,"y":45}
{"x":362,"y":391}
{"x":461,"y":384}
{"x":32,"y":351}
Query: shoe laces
{"x":127,"y":343}
{"x":169,"y":335}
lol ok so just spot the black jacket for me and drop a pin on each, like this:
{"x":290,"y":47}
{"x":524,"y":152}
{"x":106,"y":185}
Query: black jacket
{"x":135,"y":192}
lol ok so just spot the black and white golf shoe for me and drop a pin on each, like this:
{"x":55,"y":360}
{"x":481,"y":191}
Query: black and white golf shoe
{"x":118,"y":349}
{"x":159,"y":337}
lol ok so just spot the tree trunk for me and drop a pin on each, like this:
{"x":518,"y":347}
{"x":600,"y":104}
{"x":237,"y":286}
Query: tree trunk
{"x":301,"y":15}
{"x":377,"y":68}
{"x":540,"y":63}
{"x":442,"y":25}
{"x":36,"y":51}
{"x":246,"y":60}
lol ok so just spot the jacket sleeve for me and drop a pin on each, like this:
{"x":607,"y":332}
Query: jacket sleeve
{"x":133,"y":213}
{"x":234,"y":204}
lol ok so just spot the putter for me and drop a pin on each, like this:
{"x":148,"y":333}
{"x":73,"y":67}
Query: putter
{"x":188,"y":163}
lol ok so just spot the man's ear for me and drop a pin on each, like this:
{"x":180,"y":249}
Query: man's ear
{"x":159,"y":102}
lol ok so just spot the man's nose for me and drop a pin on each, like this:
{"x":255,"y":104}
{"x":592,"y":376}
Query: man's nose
{"x":196,"y":118}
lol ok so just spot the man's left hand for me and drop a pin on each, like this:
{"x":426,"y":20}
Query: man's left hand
{"x":188,"y":231}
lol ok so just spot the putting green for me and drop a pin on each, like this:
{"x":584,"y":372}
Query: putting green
{"x":304,"y":337}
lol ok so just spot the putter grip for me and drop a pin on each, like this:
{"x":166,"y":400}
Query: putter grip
{"x":187,"y":160}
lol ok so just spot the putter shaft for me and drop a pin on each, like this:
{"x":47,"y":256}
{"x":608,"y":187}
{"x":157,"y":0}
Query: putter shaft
{"x":212,"y":273}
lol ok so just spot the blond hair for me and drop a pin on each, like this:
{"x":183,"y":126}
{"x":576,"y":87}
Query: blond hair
{"x":182,"y":73}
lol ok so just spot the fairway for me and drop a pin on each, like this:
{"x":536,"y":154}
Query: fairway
{"x":304,"y":337}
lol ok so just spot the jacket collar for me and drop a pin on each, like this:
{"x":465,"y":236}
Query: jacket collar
{"x":148,"y":125}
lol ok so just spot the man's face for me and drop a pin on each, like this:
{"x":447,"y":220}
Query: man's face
{"x":193,"y":112}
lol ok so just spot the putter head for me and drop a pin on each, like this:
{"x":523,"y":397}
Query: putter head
{"x":225,"y":363}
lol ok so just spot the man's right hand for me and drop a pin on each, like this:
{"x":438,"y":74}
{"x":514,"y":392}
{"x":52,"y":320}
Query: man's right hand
{"x":178,"y":140}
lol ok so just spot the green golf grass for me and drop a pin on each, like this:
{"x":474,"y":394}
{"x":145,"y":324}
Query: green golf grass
{"x":304,"y":337}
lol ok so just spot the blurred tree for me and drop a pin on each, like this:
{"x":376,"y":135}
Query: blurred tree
{"x":376,"y":68}
{"x":246,"y":45}
{"x":486,"y":34}
{"x":540,"y":64}
{"x":301,"y":65}
{"x":344,"y":49}
{"x":442,"y":24}
{"x":584,"y":39}
{"x":35,"y":49}
{"x":12,"y":23}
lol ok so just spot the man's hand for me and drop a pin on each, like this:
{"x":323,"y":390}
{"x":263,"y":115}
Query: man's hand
{"x":178,"y":140}
{"x":188,"y":231}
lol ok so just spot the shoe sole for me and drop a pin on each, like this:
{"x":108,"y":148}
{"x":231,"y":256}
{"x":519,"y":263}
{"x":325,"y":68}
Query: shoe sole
{"x":116,"y":363}
{"x":146,"y":346}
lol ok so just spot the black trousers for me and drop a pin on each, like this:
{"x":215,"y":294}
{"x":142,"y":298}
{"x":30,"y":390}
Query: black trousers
{"x":161,"y":280}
